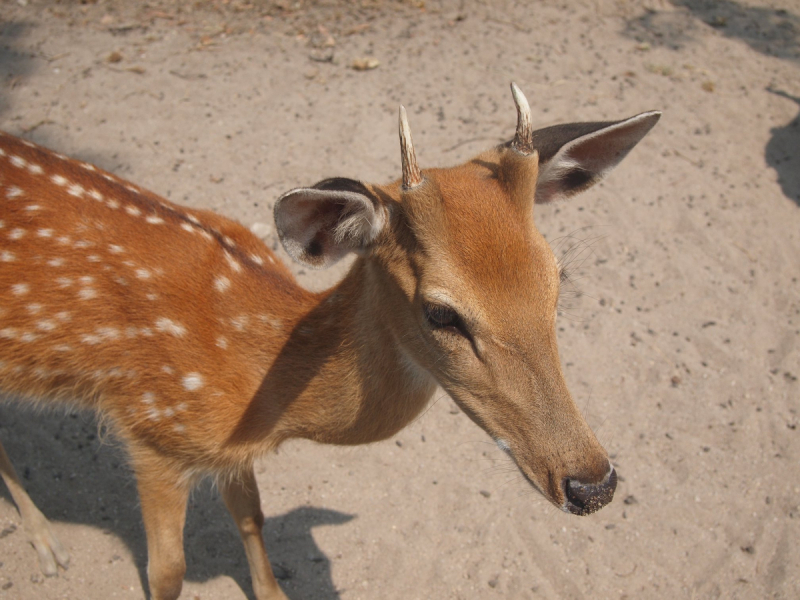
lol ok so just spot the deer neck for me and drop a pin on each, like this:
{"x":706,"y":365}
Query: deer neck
{"x":341,"y":376}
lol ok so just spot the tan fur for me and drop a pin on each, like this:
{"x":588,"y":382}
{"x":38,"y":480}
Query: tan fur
{"x":200,"y":348}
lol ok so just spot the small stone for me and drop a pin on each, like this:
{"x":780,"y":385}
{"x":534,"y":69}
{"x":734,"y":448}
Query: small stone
{"x":485,"y":494}
{"x":261,"y":230}
{"x":321,"y":54}
{"x":365,"y":64}
{"x":631,"y":500}
{"x":114,"y":57}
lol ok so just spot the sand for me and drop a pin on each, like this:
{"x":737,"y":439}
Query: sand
{"x":680,"y":337}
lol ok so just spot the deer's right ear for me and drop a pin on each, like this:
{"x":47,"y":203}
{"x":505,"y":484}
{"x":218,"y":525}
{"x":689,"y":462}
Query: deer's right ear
{"x":320,"y":225}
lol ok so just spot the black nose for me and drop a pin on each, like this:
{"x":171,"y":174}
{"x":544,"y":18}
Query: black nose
{"x":586,"y":498}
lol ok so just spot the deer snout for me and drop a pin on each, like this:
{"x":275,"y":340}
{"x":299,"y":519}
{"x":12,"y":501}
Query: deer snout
{"x":584,"y":498}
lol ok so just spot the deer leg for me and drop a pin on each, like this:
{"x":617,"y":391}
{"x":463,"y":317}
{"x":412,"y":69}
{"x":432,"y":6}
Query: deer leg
{"x":51,"y":552}
{"x":163,"y":493}
{"x":241,"y":498}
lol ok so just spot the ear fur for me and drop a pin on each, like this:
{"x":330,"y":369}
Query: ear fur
{"x":320,"y":225}
{"x":574,"y":157}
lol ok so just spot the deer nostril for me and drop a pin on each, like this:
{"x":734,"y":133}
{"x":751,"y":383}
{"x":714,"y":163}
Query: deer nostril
{"x":585,"y":498}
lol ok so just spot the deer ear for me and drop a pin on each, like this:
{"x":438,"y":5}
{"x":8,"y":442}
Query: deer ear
{"x":320,"y":225}
{"x":574,"y":157}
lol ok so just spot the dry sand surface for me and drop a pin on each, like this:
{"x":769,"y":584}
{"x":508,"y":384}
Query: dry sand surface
{"x":680,"y":335}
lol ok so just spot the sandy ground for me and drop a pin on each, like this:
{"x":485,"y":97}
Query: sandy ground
{"x":680,"y":338}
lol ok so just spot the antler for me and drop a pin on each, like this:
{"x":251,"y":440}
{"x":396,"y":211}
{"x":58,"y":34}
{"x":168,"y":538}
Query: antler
{"x":412,"y":176}
{"x":523,"y":140}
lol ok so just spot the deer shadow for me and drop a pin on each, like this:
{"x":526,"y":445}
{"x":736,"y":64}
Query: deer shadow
{"x":15,"y":64}
{"x":783,"y":152}
{"x":74,"y":475}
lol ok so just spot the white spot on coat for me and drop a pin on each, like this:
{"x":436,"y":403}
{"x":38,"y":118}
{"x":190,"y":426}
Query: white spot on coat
{"x":239,"y":323}
{"x":87,"y":293}
{"x":13,"y":192}
{"x":7,"y":256}
{"x":46,"y":325}
{"x":133,"y":211}
{"x":45,"y":233}
{"x":166,"y":325}
{"x":33,"y":207}
{"x":154,"y":220}
{"x":16,"y":233}
{"x":75,"y":190}
{"x":148,"y":398}
{"x":222,"y":283}
{"x":108,"y":333}
{"x":18,"y":161}
{"x":232,"y":262}
{"x":35,"y":169}
{"x":20,"y":289}
{"x":55,"y":262}
{"x":34,"y":307}
{"x":95,"y":195}
{"x":143,"y":273}
{"x":114,"y":249}
{"x":192,"y":382}
{"x":222,"y":342}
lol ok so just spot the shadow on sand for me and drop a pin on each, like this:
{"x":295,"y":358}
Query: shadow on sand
{"x":772,"y":32}
{"x":783,"y":151}
{"x":74,"y":476}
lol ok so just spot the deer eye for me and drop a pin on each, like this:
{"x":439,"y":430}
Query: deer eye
{"x":444,"y":318}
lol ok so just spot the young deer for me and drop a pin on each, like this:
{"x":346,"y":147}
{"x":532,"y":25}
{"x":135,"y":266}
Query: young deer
{"x":182,"y":329}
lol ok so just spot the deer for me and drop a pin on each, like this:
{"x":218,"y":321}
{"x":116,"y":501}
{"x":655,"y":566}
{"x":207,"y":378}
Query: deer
{"x":200,"y":351}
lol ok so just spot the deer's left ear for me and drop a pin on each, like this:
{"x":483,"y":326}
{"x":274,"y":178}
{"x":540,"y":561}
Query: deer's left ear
{"x":574,"y":157}
{"x":320,"y":225}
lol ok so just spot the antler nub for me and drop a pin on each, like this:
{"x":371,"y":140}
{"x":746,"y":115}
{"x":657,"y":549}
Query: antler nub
{"x":412,"y":176}
{"x":523,"y":140}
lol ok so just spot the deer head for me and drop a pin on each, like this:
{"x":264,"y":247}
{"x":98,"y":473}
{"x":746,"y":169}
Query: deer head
{"x":468,"y":286}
